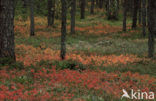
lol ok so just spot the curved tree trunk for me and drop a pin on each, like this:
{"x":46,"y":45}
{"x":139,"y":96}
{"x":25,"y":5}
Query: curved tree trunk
{"x":7,"y":29}
{"x":63,"y":29}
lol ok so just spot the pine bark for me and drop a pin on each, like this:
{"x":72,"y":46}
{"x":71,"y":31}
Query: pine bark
{"x":100,"y":4}
{"x":83,"y":3}
{"x":118,"y":4}
{"x":125,"y":15}
{"x":32,"y":23}
{"x":151,"y":26}
{"x":24,"y":7}
{"x":24,"y":3}
{"x":63,"y":29}
{"x":73,"y":14}
{"x":135,"y":13}
{"x":51,"y":12}
{"x":7,"y":29}
{"x":144,"y":18}
{"x":92,"y":7}
{"x":97,"y":3}
{"x":140,"y":11}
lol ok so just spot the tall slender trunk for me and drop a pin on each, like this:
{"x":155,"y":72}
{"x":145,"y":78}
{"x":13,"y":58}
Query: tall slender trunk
{"x":152,"y":26}
{"x":124,"y":15}
{"x":107,"y":5}
{"x":24,"y":10}
{"x":24,"y":3}
{"x":32,"y":24}
{"x":73,"y":14}
{"x":135,"y":13}
{"x":51,"y":12}
{"x":92,"y":7}
{"x":144,"y":18}
{"x":100,"y":4}
{"x":7,"y":29}
{"x":97,"y":3}
{"x":118,"y":4}
{"x":63,"y":29}
{"x":140,"y":11}
{"x":83,"y":3}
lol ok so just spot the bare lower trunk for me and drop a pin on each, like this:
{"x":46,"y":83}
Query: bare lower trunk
{"x":124,"y":15}
{"x":63,"y":29}
{"x":83,"y":3}
{"x":73,"y":13}
{"x":32,"y":24}
{"x":140,"y":11}
{"x":144,"y":18}
{"x":97,"y":3}
{"x":152,"y":26}
{"x":7,"y":29}
{"x":100,"y":4}
{"x":92,"y":7}
{"x":135,"y":13}
{"x":51,"y":12}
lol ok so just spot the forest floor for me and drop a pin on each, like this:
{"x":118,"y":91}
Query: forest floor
{"x":101,"y":61}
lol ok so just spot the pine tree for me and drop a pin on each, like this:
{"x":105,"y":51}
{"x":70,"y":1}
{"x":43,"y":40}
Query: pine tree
{"x":63,"y":28}
{"x":73,"y":14}
{"x":7,"y":29}
{"x":152,"y":26}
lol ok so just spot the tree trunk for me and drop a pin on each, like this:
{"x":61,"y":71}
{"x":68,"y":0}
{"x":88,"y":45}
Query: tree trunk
{"x":92,"y":7}
{"x":24,"y":3}
{"x":32,"y":24}
{"x":144,"y":18}
{"x":83,"y":3}
{"x":97,"y":3}
{"x":63,"y":29}
{"x":135,"y":13}
{"x":51,"y":12}
{"x":152,"y":26}
{"x":73,"y":14}
{"x":124,"y":15}
{"x":140,"y":11}
{"x":7,"y":29}
{"x":24,"y":10}
{"x":107,"y":5}
{"x":118,"y":4}
{"x":100,"y":4}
